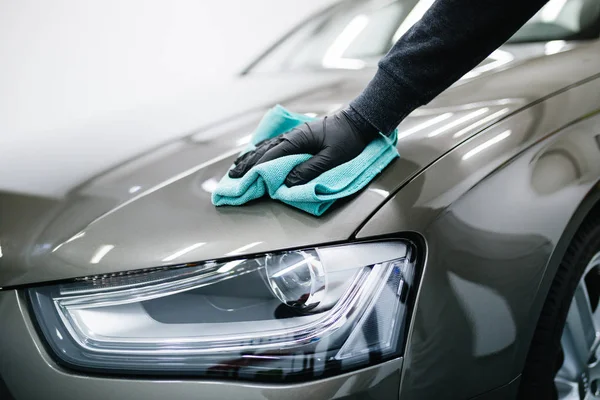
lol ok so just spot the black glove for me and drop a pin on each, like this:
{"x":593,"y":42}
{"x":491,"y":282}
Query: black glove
{"x":332,"y":141}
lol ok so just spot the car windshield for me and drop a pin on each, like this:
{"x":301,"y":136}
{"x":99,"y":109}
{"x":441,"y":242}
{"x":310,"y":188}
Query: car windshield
{"x":356,"y":33}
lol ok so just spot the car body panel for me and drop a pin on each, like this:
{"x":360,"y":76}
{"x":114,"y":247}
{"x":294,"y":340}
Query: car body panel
{"x":158,"y":204}
{"x":494,"y":176}
{"x":492,"y":222}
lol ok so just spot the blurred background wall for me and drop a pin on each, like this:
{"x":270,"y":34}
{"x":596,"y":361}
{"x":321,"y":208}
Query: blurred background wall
{"x":130,"y":48}
{"x":77,"y":69}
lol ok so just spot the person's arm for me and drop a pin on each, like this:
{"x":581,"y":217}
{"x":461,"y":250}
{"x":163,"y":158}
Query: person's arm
{"x":452,"y":38}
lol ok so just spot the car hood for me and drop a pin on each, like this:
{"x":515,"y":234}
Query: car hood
{"x":133,"y":191}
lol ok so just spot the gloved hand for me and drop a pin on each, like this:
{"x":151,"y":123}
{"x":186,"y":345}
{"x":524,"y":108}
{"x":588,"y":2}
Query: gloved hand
{"x":332,"y":141}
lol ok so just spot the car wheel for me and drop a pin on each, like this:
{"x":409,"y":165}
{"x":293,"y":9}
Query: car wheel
{"x":563,"y":360}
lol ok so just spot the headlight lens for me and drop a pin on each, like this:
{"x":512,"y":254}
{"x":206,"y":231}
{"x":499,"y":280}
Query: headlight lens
{"x":299,"y":314}
{"x":297,"y":278}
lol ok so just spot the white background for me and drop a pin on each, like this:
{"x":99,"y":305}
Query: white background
{"x":119,"y":52}
{"x":69,"y":66}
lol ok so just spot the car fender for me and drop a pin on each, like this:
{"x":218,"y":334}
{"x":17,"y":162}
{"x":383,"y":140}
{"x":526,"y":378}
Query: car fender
{"x":496,"y":215}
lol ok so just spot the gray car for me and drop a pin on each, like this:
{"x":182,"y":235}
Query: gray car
{"x":469,"y":268}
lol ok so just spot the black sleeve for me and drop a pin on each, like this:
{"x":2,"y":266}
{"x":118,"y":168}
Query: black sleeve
{"x":453,"y":37}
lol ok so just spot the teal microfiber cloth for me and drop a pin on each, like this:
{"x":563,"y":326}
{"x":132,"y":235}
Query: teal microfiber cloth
{"x":316,"y":196}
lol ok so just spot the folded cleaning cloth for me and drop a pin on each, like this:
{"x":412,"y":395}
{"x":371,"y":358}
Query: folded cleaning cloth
{"x":316,"y":196}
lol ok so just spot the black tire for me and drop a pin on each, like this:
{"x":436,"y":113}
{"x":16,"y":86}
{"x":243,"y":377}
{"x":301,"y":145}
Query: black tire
{"x":545,"y":355}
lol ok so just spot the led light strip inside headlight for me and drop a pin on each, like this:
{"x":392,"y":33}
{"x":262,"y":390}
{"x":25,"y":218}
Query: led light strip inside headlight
{"x":299,"y":314}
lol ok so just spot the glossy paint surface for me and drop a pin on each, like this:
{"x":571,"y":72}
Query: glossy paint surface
{"x":492,"y":205}
{"x":492,"y":217}
{"x":155,"y":210}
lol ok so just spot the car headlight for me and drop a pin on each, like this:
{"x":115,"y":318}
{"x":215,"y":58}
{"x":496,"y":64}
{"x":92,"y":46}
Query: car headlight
{"x":297,"y":314}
